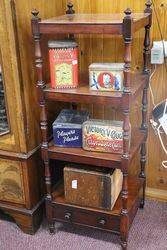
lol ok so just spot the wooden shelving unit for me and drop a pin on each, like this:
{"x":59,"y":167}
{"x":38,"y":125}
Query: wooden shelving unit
{"x":132,"y":196}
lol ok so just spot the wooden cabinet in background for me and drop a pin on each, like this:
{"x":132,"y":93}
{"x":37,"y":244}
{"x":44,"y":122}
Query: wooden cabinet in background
{"x":20,"y":166}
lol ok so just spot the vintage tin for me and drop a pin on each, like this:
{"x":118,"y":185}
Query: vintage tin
{"x":103,"y":136}
{"x":106,"y":76}
{"x":92,"y":187}
{"x":67,"y":128}
{"x":63,"y":56}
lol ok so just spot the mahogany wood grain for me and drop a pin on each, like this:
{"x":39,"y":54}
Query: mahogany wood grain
{"x":82,"y":94}
{"x":92,"y":217}
{"x":127,"y":35}
{"x":82,"y":29}
{"x":91,"y":23}
{"x":43,"y":110}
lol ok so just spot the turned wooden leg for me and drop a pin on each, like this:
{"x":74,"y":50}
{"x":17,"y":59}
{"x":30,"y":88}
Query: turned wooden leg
{"x":52,"y":229}
{"x":124,"y":228}
{"x":124,"y":245}
{"x":127,"y":35}
{"x":142,"y":173}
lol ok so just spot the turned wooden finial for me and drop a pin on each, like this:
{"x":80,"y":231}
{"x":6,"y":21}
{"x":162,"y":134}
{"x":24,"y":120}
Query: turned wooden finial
{"x":70,"y":10}
{"x":148,"y":6}
{"x":128,"y":12}
{"x":35,"y":13}
{"x":148,"y":3}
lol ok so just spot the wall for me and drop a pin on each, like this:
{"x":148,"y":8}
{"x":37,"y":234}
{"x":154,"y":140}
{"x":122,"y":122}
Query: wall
{"x":100,"y":48}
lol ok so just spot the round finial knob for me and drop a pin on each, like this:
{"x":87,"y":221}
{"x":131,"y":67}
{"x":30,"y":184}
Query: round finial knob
{"x":70,"y":8}
{"x":148,"y":3}
{"x":128,"y":12}
{"x":35,"y":13}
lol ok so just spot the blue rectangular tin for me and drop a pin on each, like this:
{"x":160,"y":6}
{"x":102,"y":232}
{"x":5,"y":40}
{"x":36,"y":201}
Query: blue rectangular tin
{"x":67,"y":128}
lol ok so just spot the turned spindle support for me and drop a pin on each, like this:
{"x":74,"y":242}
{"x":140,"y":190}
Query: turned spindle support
{"x":43,"y":111}
{"x":144,"y":125}
{"x":71,"y":11}
{"x":127,"y":35}
{"x":146,"y":52}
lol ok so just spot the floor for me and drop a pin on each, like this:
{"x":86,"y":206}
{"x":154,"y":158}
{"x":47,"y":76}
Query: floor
{"x":149,"y":231}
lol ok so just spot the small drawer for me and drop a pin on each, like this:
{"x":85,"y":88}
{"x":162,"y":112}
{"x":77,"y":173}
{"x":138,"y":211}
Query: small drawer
{"x":86,"y":217}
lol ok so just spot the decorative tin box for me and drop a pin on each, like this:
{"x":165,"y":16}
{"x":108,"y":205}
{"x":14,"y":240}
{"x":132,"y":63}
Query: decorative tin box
{"x":103,"y":136}
{"x":106,"y":76}
{"x":63,"y":57}
{"x":67,"y":128}
{"x":92,"y":187}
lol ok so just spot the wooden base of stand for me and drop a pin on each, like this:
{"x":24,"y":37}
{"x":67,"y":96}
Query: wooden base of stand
{"x":27,"y":220}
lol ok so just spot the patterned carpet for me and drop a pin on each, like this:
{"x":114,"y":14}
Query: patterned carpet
{"x":149,"y":232}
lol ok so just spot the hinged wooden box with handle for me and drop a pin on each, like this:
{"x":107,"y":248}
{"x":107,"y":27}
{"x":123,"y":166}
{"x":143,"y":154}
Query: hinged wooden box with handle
{"x":92,"y":187}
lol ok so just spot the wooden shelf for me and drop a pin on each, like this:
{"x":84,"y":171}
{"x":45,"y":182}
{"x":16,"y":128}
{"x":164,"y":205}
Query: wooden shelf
{"x":79,"y":155}
{"x":92,"y":23}
{"x":77,"y":212}
{"x":134,"y":185}
{"x":82,"y":94}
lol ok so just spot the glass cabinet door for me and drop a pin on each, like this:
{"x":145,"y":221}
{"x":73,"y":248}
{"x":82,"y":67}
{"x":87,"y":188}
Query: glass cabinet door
{"x":4,"y":127}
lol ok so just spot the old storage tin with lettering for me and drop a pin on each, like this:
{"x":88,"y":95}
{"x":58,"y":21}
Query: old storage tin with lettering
{"x":92,"y":187}
{"x":63,"y":56}
{"x":103,"y":136}
{"x":67,"y":128}
{"x":106,"y":76}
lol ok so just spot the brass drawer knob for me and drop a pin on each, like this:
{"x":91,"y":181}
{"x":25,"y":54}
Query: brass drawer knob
{"x":67,"y":216}
{"x":102,"y":222}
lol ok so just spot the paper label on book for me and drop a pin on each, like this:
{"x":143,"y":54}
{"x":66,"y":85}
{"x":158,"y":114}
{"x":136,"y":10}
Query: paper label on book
{"x":74,"y":184}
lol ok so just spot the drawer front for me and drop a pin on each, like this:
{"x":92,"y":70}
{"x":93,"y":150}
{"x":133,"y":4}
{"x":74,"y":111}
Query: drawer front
{"x":85,"y":217}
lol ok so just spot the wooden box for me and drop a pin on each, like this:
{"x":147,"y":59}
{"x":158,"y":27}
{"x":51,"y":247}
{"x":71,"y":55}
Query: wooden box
{"x":91,"y":187}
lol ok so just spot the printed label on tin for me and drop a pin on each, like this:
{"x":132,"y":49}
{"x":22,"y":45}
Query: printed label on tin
{"x":106,"y":81}
{"x":67,"y":136}
{"x":74,"y":184}
{"x":64,"y":68}
{"x":103,"y":138}
{"x":64,"y":74}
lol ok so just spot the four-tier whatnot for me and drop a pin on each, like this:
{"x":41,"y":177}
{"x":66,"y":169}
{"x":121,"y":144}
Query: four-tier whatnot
{"x":120,"y":218}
